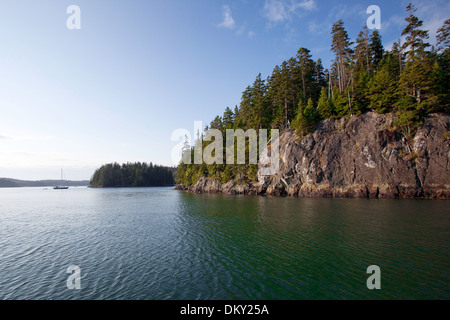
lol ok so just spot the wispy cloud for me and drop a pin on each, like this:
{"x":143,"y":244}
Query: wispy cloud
{"x":281,"y":10}
{"x":242,"y":30}
{"x":275,"y":11}
{"x":323,"y":27}
{"x":228,"y":21}
{"x":5,"y":137}
{"x":306,"y":5}
{"x":433,"y":14}
{"x":394,"y":21}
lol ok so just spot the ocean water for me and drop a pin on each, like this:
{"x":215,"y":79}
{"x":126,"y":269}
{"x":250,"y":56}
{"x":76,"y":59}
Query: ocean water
{"x":159,"y":244}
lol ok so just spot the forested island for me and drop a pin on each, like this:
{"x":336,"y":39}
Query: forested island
{"x":389,"y":99}
{"x":139,"y":174}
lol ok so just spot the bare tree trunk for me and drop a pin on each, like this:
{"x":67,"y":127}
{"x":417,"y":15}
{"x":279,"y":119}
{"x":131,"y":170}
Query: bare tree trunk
{"x":329,"y":84}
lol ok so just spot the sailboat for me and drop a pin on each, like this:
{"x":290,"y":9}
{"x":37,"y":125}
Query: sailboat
{"x":61,"y":187}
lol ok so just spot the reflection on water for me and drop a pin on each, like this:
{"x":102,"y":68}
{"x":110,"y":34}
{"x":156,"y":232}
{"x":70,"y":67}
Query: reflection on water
{"x":157,"y":243}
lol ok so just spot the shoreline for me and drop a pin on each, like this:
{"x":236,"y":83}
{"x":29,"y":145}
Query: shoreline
{"x":212,"y":186}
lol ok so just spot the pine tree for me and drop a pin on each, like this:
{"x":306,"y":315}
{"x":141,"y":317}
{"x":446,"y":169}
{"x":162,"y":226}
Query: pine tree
{"x":245,"y":106}
{"x":259,"y":115}
{"x":320,"y":79}
{"x":362,"y":53}
{"x":396,"y":58}
{"x":376,"y":48}
{"x":382,"y":91}
{"x":306,"y":119}
{"x":415,"y":44}
{"x":443,"y":36}
{"x":341,"y":46}
{"x":280,"y":95}
{"x":294,"y":82}
{"x":324,"y":106}
{"x":215,"y":124}
{"x":441,"y":70}
{"x":228,"y":119}
{"x":359,"y":100}
{"x":340,"y":103}
{"x":306,"y":70}
{"x":415,"y":79}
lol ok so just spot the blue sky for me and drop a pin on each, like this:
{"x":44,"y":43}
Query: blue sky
{"x":138,"y":70}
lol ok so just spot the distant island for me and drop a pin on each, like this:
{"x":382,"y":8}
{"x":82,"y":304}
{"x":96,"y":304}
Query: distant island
{"x":14,"y":183}
{"x":139,"y":174}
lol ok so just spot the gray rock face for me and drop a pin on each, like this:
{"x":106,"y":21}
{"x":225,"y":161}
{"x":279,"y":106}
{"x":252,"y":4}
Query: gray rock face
{"x":358,"y":157}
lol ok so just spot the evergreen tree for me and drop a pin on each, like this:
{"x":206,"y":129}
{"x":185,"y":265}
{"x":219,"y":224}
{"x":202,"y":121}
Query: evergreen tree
{"x":254,"y":105}
{"x":341,"y":46}
{"x":443,"y":36}
{"x":382,"y":91}
{"x":415,"y":44}
{"x":320,"y":77}
{"x":340,"y":103}
{"x":228,"y":119}
{"x":306,"y":68}
{"x":359,"y":99}
{"x":306,"y":120}
{"x":415,"y":79}
{"x":280,"y":95}
{"x":377,"y":50}
{"x":362,"y":56}
{"x":441,"y":70}
{"x":215,"y":124}
{"x":396,"y":60}
{"x":324,"y":106}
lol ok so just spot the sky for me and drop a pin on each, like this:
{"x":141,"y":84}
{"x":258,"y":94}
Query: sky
{"x":117,"y":88}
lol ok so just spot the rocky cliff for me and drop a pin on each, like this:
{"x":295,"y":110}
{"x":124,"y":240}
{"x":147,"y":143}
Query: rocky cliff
{"x":362,"y":156}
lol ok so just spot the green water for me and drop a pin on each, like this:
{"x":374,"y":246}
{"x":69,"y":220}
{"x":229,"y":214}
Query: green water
{"x":156,"y":243}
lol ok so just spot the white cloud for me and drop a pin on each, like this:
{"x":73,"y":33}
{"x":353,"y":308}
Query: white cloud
{"x":433,"y":15}
{"x":275,"y":11}
{"x":395,"y":21}
{"x":323,"y":27}
{"x":307,"y":5}
{"x":228,"y":21}
{"x":281,"y":10}
{"x":241,"y":30}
